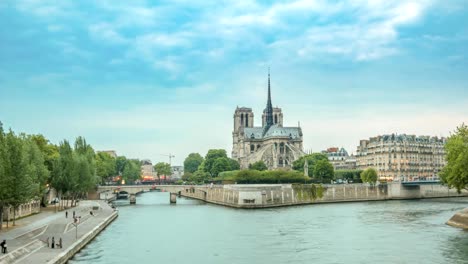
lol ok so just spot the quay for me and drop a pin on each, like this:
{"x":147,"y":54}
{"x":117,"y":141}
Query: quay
{"x":28,"y":243}
{"x":251,"y":196}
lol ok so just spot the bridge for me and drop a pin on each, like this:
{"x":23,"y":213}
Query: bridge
{"x":421,"y":182}
{"x":133,"y":190}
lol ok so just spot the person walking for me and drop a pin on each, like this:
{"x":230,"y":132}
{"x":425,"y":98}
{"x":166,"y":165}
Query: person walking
{"x":4,"y":246}
{"x":73,"y":214}
{"x":66,"y":214}
{"x":60,"y":243}
{"x":53,"y":243}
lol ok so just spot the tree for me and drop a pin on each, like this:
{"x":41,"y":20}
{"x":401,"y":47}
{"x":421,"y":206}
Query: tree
{"x":120,"y":162}
{"x":131,"y":171}
{"x":311,"y":160}
{"x":220,"y":165}
{"x":259,"y":165}
{"x":36,"y":167}
{"x":106,"y":166}
{"x":192,"y":162}
{"x":455,"y":173}
{"x":369,"y":175}
{"x":211,"y":157}
{"x":234,"y":164}
{"x":199,"y":177}
{"x":4,"y":188}
{"x":162,"y":168}
{"x":20,"y":181}
{"x":323,"y":171}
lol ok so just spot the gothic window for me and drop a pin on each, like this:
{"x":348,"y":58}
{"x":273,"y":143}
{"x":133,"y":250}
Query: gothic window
{"x":276,"y":119}
{"x":282,"y":148}
{"x":252,"y":148}
{"x":242,"y":119}
{"x":281,"y":162}
{"x":246,"y":120}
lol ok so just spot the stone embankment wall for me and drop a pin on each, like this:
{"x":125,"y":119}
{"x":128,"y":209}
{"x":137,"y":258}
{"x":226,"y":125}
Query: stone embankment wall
{"x":25,"y":209}
{"x":83,"y":241}
{"x":261,"y":196}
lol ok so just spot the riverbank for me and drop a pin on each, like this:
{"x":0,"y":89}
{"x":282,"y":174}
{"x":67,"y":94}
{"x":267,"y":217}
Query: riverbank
{"x":278,"y":195}
{"x":32,"y":243}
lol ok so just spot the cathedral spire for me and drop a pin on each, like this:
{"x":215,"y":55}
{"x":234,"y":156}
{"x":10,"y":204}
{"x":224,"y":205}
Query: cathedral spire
{"x":269,"y":107}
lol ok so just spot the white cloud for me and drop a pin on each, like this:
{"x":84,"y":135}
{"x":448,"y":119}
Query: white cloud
{"x":107,"y":33}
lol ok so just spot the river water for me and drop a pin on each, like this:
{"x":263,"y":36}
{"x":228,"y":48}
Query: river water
{"x":153,"y":231}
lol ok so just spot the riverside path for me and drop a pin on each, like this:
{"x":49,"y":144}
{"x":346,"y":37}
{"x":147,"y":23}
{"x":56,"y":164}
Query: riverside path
{"x":28,"y":243}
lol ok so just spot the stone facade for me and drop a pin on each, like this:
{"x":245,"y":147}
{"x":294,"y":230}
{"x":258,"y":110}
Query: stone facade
{"x":402,"y":157}
{"x":277,"y":146}
{"x":340,"y":159}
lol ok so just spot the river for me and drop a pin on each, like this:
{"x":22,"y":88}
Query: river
{"x":153,"y":231}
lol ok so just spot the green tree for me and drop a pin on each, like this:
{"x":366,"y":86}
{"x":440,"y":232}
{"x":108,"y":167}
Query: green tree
{"x":298,"y":165}
{"x":323,"y":171}
{"x":234,"y":164}
{"x":369,"y":175}
{"x":200,"y":177}
{"x":120,"y":162}
{"x":455,"y":172}
{"x":192,"y":162}
{"x":20,"y":180}
{"x":106,"y":166}
{"x":210,"y":159}
{"x":36,"y":167}
{"x":162,"y":168}
{"x":259,"y":165}
{"x":49,"y":150}
{"x":220,"y":165}
{"x":131,"y":171}
{"x":4,"y":186}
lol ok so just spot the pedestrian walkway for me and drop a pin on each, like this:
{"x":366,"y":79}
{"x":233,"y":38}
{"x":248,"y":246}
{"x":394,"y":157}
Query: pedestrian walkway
{"x":28,"y":244}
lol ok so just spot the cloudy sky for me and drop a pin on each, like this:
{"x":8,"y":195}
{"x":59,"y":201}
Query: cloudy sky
{"x":147,"y":78}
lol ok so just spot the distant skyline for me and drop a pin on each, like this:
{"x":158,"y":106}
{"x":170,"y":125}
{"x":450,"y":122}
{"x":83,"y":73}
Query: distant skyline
{"x":149,"y":78}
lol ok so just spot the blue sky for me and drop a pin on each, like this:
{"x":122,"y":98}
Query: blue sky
{"x":153,"y":77}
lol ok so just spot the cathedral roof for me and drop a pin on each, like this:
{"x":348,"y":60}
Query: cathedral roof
{"x":273,"y":131}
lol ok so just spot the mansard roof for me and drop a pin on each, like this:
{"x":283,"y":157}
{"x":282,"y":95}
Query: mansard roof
{"x":273,"y":131}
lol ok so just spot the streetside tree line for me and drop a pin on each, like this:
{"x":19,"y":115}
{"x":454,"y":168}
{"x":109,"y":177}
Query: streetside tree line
{"x":30,"y":164}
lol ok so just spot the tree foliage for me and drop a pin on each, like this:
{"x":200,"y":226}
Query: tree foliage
{"x":162,"y":168}
{"x":259,"y":165}
{"x":354,"y":175}
{"x":192,"y":162}
{"x":369,"y":175}
{"x":210,"y":159}
{"x":455,"y":173}
{"x":106,"y":166}
{"x":324,"y":173}
{"x":131,"y":171}
{"x":257,"y":177}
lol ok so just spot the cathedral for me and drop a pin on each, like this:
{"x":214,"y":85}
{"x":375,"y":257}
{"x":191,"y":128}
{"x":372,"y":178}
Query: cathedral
{"x":275,"y":145}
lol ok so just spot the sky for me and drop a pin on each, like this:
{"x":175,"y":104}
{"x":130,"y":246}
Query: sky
{"x":149,"y":78}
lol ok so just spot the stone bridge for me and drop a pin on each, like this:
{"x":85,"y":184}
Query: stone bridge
{"x":133,"y":190}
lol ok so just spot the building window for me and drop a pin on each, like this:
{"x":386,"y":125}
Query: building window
{"x":246,"y":120}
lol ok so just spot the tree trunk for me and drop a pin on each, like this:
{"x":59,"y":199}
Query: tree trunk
{"x":1,"y":216}
{"x":14,"y":216}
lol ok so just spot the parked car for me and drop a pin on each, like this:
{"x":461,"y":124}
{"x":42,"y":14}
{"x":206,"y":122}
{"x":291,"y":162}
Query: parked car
{"x":55,"y":200}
